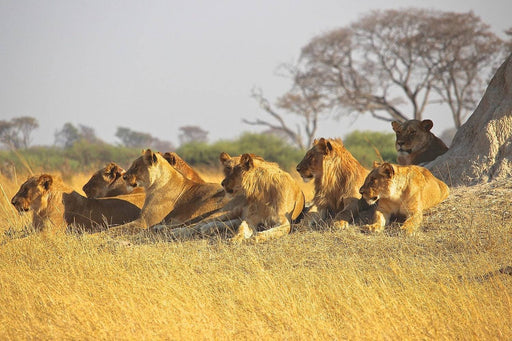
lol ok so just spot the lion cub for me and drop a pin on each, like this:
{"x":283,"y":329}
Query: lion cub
{"x":273,"y":199}
{"x":401,"y":190}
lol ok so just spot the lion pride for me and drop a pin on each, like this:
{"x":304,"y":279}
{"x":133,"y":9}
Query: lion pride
{"x":415,"y":143}
{"x":338,"y":177}
{"x":170,"y":196}
{"x":273,"y":199}
{"x":401,"y":191}
{"x":55,"y":205}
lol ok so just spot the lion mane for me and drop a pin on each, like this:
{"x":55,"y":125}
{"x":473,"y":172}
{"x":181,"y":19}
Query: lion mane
{"x":273,"y":199}
{"x":337,"y":177}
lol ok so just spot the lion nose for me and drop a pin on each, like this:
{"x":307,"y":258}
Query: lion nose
{"x":13,"y":202}
{"x":223,"y":183}
{"x":125,"y":177}
{"x":298,"y":169}
{"x":361,"y":191}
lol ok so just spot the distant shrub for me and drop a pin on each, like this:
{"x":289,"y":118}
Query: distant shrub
{"x":270,"y":147}
{"x":80,"y":157}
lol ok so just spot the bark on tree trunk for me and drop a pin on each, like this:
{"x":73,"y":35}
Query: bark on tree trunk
{"x":481,"y":150}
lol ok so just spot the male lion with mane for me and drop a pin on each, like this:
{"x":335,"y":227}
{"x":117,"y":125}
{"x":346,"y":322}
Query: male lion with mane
{"x":338,"y":177}
{"x":170,"y":196}
{"x":415,"y":143}
{"x":273,"y":199}
{"x":401,"y":191}
{"x":55,"y":205}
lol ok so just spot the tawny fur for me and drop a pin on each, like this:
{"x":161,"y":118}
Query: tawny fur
{"x":415,"y":143}
{"x":337,"y":177}
{"x":55,"y":205}
{"x":170,"y":197}
{"x":402,"y":191}
{"x":109,"y":182}
{"x":273,"y":199}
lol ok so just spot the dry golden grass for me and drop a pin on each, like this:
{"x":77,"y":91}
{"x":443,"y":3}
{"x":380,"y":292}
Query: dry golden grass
{"x":309,"y":285}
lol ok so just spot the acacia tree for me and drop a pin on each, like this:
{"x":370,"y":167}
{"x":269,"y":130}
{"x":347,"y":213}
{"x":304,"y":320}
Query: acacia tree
{"x":463,"y":53}
{"x":16,"y":132}
{"x":192,"y":134}
{"x":393,"y":64}
{"x":304,"y":99}
{"x":25,"y":125}
{"x":135,"y":139}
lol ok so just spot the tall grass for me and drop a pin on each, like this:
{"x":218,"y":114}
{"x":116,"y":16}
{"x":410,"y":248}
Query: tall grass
{"x":321,"y":284}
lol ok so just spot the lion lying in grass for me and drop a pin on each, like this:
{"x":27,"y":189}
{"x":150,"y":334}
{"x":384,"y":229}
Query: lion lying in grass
{"x":338,"y":177}
{"x":109,"y":182}
{"x":55,"y":205}
{"x":170,"y":197}
{"x":415,"y":143}
{"x":403,"y":191}
{"x":273,"y":199}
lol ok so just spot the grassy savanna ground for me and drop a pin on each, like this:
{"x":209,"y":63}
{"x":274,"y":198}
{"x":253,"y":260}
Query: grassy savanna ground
{"x":309,"y":285}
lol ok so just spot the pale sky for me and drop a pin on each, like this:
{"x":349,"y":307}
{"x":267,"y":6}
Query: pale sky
{"x":154,"y":66}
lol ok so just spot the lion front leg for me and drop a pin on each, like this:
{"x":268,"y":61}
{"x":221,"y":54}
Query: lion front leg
{"x":412,"y":222}
{"x":349,"y":213}
{"x":243,"y":232}
{"x":379,"y":222}
{"x":282,"y":228}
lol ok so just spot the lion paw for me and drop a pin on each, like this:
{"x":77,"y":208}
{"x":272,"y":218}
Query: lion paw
{"x":372,"y":228}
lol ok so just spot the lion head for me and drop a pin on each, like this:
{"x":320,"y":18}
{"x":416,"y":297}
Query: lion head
{"x":140,"y":172}
{"x":101,"y":183}
{"x":412,"y":135}
{"x":378,"y":183}
{"x":32,"y":193}
{"x":234,"y":173}
{"x":311,"y":166}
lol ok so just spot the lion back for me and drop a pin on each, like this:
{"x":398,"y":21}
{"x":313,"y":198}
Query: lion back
{"x":433,"y":190}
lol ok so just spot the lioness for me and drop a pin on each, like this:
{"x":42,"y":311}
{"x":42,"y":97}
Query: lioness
{"x":415,"y":143}
{"x":170,"y":196}
{"x":109,"y":182}
{"x":402,"y":191}
{"x":55,"y":205}
{"x":273,"y":199}
{"x":338,"y":177}
{"x":106,"y":182}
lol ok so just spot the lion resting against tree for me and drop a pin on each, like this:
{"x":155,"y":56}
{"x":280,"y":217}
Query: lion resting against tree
{"x":415,"y":143}
{"x":109,"y":182}
{"x":401,"y":191}
{"x":55,"y":205}
{"x":170,"y":196}
{"x":273,"y":199}
{"x":338,"y":177}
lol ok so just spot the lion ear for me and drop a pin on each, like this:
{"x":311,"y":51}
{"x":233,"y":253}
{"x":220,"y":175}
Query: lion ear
{"x":246,"y":162}
{"x":387,"y":170}
{"x":149,"y":156}
{"x":113,"y":171}
{"x":427,"y":124}
{"x":322,"y":145}
{"x":45,"y":181}
{"x":376,"y":164}
{"x":223,"y":157}
{"x":396,"y":126}
{"x":171,"y":158}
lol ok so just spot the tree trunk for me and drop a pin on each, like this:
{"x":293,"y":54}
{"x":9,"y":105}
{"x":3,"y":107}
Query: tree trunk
{"x":481,"y":150}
